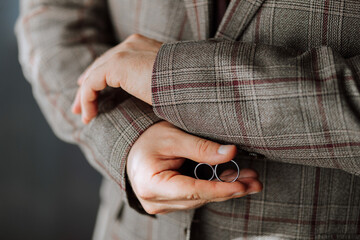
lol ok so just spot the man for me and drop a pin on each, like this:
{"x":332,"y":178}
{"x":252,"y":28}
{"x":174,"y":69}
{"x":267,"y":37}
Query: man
{"x":280,"y":79}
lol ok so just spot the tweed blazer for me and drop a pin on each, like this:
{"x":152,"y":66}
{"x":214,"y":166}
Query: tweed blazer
{"x":279,"y":78}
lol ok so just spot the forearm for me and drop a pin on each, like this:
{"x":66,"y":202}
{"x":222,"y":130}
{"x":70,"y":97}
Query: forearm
{"x":57,"y":41}
{"x":291,"y":107}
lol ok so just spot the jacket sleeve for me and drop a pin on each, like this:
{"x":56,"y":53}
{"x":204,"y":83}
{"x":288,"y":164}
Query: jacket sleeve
{"x":58,"y":39}
{"x":293,"y":107}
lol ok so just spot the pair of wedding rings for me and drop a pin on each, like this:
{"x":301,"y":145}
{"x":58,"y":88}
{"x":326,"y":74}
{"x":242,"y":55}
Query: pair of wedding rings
{"x":207,"y":172}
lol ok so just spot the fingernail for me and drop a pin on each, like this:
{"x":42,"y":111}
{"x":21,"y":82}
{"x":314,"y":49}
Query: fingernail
{"x":252,"y":193}
{"x":238,"y":194}
{"x":224,"y":149}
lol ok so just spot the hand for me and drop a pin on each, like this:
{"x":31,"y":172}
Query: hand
{"x":160,"y":151}
{"x":128,"y":65}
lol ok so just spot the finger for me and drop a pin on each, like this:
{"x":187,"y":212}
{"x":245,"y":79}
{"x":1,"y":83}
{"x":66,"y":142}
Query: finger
{"x":85,"y":74}
{"x":203,"y":151}
{"x":89,"y":92}
{"x":173,"y":186}
{"x":140,"y":42}
{"x":253,"y":185}
{"x":99,"y":61}
{"x":247,"y":178}
{"x":76,"y":107}
{"x":230,"y":174}
{"x":88,"y":105}
{"x":165,"y":206}
{"x":248,"y":173}
{"x":81,"y":78}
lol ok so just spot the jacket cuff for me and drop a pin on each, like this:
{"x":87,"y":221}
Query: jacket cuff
{"x":162,"y":81}
{"x":185,"y":75}
{"x":121,"y":126}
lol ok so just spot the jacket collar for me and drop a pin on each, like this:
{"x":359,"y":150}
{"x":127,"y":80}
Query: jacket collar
{"x":237,"y":16}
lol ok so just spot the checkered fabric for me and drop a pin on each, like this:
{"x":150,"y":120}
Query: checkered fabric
{"x":280,"y":78}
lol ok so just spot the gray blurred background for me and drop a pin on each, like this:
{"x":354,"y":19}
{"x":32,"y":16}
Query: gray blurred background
{"x":47,"y":189}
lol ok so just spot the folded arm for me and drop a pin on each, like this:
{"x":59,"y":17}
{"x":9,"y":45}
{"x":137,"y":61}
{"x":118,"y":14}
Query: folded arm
{"x":58,"y":40}
{"x":292,"y":107}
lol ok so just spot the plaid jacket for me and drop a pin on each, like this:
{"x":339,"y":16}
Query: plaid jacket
{"x":280,"y":78}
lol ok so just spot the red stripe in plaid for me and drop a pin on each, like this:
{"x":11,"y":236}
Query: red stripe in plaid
{"x":155,"y":97}
{"x":197,"y":20}
{"x":131,"y":120}
{"x":182,"y":27}
{"x":321,"y":108}
{"x":237,"y":95}
{"x":247,"y":216}
{"x":34,"y":13}
{"x":257,"y":27}
{"x":335,"y":145}
{"x":26,"y":21}
{"x":53,"y":102}
{"x":228,"y":18}
{"x":241,"y":124}
{"x":279,"y":220}
{"x":76,"y":135}
{"x":138,"y":129}
{"x":315,"y":202}
{"x":78,"y":139}
{"x":236,"y":82}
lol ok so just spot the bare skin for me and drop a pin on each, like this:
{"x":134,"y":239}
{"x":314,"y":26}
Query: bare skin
{"x":159,"y":152}
{"x":127,"y":65}
{"x":157,"y":155}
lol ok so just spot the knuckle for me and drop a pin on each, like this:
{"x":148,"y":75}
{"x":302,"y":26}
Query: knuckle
{"x":151,"y":209}
{"x":200,"y":203}
{"x":120,"y":55}
{"x":144,"y":193}
{"x":168,"y":144}
{"x":97,"y":61}
{"x":202,"y":146}
{"x":193,"y":196}
{"x":242,"y":188}
{"x":129,"y":45}
{"x":147,"y":208}
{"x":135,"y":36}
{"x":85,"y":85}
{"x":110,"y":80}
{"x":168,"y":139}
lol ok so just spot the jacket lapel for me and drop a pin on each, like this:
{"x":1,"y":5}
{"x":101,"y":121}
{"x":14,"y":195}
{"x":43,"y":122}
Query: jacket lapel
{"x":199,"y":14}
{"x":237,"y":16}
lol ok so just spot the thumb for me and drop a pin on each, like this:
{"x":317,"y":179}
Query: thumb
{"x":203,"y":150}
